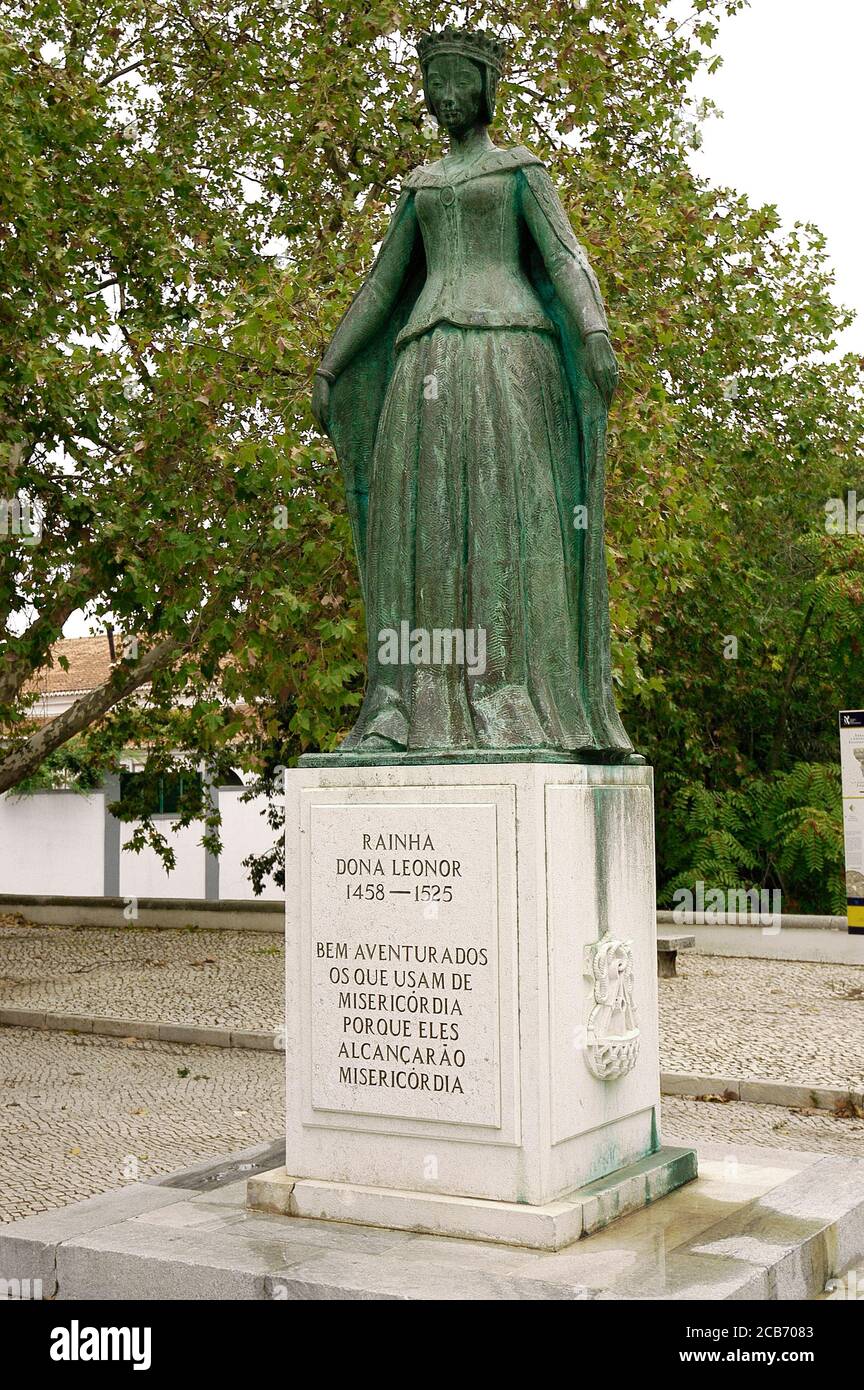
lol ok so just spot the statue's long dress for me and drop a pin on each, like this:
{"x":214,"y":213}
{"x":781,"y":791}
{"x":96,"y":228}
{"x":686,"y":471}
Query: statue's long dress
{"x":477,"y":495}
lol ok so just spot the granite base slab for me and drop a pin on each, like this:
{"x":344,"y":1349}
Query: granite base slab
{"x":757,"y":1224}
{"x":551,"y":1226}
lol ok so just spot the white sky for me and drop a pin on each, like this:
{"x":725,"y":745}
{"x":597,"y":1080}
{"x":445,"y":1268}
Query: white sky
{"x":791,"y":89}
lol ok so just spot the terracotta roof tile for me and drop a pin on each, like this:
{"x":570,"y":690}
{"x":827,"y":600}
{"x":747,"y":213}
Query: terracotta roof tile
{"x":89,"y":665}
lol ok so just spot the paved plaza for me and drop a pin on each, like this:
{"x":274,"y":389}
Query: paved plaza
{"x":777,"y":1020}
{"x":192,"y":976}
{"x":81,"y":1114}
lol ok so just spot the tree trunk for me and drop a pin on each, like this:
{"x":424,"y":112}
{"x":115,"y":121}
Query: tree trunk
{"x":791,"y":673}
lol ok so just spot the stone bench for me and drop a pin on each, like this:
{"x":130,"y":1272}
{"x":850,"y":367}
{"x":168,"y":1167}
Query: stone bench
{"x":667,"y":954}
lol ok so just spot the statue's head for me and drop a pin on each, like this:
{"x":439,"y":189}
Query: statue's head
{"x":461,"y":68}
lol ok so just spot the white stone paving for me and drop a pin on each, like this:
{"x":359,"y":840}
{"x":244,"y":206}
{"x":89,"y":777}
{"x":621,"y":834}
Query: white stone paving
{"x":83,"y":1114}
{"x":772,"y":1020}
{"x":771,"y":1126}
{"x":194,"y":976}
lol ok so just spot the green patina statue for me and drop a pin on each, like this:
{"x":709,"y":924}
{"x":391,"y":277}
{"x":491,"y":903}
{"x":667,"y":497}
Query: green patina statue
{"x":466,"y":392}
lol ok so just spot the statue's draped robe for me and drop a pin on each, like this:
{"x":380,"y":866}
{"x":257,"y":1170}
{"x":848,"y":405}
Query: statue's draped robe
{"x":472,"y":446}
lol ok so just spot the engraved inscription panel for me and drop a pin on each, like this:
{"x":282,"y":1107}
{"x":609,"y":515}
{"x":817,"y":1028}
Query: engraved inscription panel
{"x":402,"y":944}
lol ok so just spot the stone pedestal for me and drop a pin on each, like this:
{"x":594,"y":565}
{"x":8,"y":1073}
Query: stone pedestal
{"x":471,"y":999}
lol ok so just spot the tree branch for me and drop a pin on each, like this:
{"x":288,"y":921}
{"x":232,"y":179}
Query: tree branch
{"x":122,"y":72}
{"x":24,"y":759}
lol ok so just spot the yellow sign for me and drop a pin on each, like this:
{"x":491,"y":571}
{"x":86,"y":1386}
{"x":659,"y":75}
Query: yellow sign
{"x":852,"y":778}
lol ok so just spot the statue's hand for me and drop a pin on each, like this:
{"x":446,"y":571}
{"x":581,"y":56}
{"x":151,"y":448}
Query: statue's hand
{"x":601,"y":364}
{"x":321,"y":403}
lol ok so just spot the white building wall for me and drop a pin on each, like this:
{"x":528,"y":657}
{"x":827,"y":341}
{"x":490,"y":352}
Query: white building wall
{"x":244,"y":831}
{"x":52,"y":842}
{"x":143,"y":875}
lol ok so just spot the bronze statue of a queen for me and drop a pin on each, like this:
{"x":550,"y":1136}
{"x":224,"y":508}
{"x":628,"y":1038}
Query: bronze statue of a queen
{"x":466,"y":392}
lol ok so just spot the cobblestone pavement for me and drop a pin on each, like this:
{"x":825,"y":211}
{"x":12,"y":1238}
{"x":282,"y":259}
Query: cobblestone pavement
{"x":81,"y":1115}
{"x":765,"y":1019}
{"x":193,"y":976}
{"x":817,"y":1131}
{"x":771,"y":1020}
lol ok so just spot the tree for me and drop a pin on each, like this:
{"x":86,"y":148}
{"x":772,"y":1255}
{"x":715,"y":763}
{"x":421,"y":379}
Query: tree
{"x":158,"y":440}
{"x":192,"y":196}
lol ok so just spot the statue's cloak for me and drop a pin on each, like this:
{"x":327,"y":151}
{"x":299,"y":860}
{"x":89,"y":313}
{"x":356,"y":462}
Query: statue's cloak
{"x":357,"y":396}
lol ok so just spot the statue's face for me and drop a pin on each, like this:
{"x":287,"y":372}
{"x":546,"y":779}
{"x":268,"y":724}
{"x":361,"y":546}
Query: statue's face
{"x":454,"y":87}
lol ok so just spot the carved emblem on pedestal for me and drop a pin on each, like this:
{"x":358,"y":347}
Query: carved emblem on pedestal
{"x":612,"y":1044}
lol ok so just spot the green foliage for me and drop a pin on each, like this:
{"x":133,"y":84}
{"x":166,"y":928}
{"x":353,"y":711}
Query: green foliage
{"x":783,"y":831}
{"x":72,"y":768}
{"x":190,"y":197}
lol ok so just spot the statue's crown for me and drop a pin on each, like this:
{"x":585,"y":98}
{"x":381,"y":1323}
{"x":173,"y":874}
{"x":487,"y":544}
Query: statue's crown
{"x":468,"y":43}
